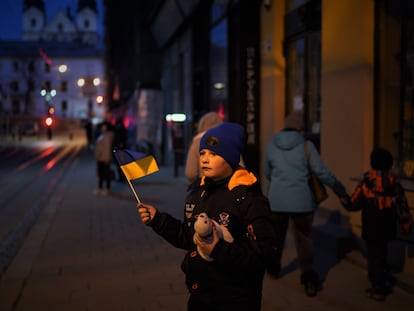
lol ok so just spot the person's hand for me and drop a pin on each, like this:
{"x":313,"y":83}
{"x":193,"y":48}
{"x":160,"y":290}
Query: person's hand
{"x":206,"y":246}
{"x":346,"y":203}
{"x":146,"y":212}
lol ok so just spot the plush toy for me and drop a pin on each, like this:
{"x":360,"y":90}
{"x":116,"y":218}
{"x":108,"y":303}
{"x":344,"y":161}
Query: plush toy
{"x":204,"y":227}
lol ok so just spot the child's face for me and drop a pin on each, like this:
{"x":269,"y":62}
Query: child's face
{"x":214,"y":166}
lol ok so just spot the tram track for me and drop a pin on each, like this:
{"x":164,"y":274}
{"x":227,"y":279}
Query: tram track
{"x":31,"y":184}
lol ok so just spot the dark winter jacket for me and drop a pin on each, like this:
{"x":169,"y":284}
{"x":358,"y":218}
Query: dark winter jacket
{"x":381,"y":199}
{"x":237,"y":272}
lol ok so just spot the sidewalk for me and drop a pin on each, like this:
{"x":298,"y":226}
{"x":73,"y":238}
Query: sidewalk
{"x":330,"y":234}
{"x":89,"y":252}
{"x":86,"y":249}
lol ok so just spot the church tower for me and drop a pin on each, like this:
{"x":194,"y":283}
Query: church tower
{"x":83,"y":28}
{"x":87,"y":21}
{"x":33,"y":19}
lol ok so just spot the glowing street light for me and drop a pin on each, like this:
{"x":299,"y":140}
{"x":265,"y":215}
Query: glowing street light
{"x":48,"y":94}
{"x":175,"y":117}
{"x":62,"y":68}
{"x":88,"y":86}
{"x":81,"y":82}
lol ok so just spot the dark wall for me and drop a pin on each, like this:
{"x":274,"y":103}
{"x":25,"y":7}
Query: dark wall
{"x":131,"y":55}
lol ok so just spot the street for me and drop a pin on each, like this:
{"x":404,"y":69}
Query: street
{"x":29,"y":174}
{"x":86,"y":252}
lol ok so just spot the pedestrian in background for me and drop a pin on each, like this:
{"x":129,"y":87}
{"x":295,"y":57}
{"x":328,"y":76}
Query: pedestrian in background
{"x":286,"y":167}
{"x":231,"y":196}
{"x":120,"y":134}
{"x":206,"y":122}
{"x":103,"y":155}
{"x":89,"y":134}
{"x":383,"y":205}
{"x":120,"y":142}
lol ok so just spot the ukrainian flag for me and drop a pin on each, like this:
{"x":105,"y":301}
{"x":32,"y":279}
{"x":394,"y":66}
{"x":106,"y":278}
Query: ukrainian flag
{"x":135,"y":164}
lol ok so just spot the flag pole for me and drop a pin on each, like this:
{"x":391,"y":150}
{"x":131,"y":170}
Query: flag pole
{"x":133,"y":191}
{"x":129,"y":182}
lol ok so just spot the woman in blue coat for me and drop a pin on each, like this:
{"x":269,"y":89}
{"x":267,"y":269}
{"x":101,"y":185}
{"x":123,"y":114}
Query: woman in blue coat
{"x":286,"y":167}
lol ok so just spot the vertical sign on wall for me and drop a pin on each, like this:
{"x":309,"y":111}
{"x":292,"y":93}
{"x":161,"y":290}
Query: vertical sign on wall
{"x":251,"y":95}
{"x":244,"y":64}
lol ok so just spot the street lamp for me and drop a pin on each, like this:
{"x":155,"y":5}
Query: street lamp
{"x":88,"y":86}
{"x":48,"y":95}
{"x":49,"y":123}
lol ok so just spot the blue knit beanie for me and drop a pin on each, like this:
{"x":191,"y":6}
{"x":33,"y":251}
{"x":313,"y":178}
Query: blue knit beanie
{"x":227,"y":140}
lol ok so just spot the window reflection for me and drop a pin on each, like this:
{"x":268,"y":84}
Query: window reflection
{"x":394,"y":105}
{"x":303,"y":79}
{"x":303,"y":59}
{"x":218,"y":68}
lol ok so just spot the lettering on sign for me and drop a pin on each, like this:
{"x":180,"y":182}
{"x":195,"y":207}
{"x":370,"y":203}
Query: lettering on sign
{"x":251,"y":95}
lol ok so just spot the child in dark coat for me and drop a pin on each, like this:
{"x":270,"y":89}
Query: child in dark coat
{"x":384,"y":208}
{"x":221,"y":274}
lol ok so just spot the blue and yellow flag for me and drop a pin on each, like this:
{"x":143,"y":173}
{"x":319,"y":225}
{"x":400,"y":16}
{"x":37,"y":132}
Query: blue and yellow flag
{"x":135,"y":164}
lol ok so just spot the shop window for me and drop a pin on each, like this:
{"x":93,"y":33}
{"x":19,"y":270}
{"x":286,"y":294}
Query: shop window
{"x":394,"y":82}
{"x":407,"y":102}
{"x":303,"y":59}
{"x":293,"y":4}
{"x":219,"y":67}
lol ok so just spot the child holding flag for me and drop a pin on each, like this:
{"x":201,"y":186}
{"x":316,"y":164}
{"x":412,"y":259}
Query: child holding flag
{"x":231,"y":196}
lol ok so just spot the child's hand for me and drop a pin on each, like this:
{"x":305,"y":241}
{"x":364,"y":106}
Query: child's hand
{"x":346,"y":203}
{"x":206,"y":246}
{"x":146,"y":212}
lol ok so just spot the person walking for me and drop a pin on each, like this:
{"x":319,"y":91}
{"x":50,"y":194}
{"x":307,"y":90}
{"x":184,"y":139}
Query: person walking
{"x":192,"y":168}
{"x":103,"y":155}
{"x":120,"y":142}
{"x":286,"y":167}
{"x":227,"y":193}
{"x":89,"y":134}
{"x":383,"y":205}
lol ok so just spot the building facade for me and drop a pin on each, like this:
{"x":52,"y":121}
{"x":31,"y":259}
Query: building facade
{"x":57,"y":68}
{"x":352,"y":80}
{"x":347,"y":64}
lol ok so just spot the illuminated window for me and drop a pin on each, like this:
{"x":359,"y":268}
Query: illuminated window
{"x":394,"y":82}
{"x":218,"y":63}
{"x":303,"y":64}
